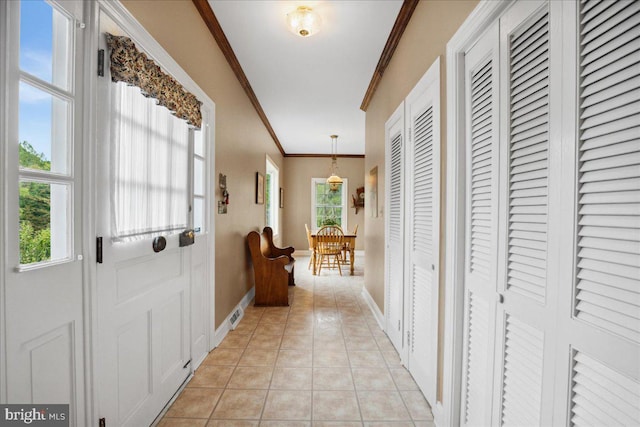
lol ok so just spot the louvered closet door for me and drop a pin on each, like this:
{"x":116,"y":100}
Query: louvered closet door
{"x":394,"y":300}
{"x":602,"y":336}
{"x":526,"y":318}
{"x":481,"y":104}
{"x":423,"y":158}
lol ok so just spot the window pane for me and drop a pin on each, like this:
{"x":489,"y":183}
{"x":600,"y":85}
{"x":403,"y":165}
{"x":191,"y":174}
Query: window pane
{"x":44,"y":224}
{"x":44,"y":42}
{"x":43,"y":130}
{"x":150,"y":170}
{"x":198,"y":214}
{"x":198,"y":143}
{"x":198,"y":177}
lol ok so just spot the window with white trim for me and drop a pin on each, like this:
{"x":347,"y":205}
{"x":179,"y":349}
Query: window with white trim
{"x":45,"y":131}
{"x":199,"y":181}
{"x":328,"y":207}
{"x":150,"y":187}
{"x":272,"y":195}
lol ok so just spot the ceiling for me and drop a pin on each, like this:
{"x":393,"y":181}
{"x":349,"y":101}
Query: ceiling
{"x":312,"y":87}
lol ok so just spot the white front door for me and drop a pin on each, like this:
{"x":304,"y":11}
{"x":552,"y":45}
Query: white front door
{"x":394,"y":259}
{"x":422,"y":218}
{"x":143,"y":296}
{"x":41,"y":151}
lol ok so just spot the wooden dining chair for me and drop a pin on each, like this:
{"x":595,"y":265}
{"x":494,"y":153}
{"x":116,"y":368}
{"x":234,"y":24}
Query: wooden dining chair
{"x":329,"y":243}
{"x":310,"y":240}
{"x":345,"y":247}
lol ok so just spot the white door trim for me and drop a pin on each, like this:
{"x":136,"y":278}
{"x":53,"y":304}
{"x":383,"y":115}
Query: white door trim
{"x":4,"y":31}
{"x":396,"y":116}
{"x":89,"y":201}
{"x":447,"y":410}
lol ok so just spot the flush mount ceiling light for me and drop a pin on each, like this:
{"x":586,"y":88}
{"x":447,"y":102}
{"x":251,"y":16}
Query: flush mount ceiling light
{"x":334,"y":179}
{"x":304,"y":21}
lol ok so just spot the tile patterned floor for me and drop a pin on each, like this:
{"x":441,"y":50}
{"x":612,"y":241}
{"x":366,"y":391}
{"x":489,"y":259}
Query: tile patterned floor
{"x":321,"y":362}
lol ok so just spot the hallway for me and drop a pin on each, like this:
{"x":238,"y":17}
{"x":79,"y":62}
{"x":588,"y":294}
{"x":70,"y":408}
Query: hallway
{"x":323,"y":360}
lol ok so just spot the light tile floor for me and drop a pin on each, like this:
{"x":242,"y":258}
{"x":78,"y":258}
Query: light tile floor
{"x":323,"y":361}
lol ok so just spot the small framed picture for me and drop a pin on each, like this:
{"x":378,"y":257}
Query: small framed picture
{"x":281,"y":198}
{"x":259,"y":188}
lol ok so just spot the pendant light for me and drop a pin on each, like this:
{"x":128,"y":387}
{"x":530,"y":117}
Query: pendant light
{"x":334,"y":179}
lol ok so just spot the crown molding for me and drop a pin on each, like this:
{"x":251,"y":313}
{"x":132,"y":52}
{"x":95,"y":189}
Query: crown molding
{"x":408,"y":6}
{"x":209,"y":18}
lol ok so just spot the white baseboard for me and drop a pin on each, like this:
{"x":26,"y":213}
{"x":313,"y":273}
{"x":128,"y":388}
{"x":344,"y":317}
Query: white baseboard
{"x":224,"y":328}
{"x":374,"y":308}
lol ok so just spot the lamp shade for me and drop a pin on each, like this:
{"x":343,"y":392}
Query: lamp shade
{"x":304,"y":21}
{"x":334,"y":179}
{"x":334,"y":182}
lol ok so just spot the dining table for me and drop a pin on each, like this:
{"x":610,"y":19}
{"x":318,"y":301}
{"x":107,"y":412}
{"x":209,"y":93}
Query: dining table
{"x":349,"y":239}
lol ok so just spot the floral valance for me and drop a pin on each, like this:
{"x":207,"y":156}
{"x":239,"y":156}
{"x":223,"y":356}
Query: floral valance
{"x":133,"y":67}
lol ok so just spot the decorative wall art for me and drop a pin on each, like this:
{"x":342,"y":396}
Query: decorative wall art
{"x":222,"y":204}
{"x":259,"y":188}
{"x":372,"y":199}
{"x":358,"y":199}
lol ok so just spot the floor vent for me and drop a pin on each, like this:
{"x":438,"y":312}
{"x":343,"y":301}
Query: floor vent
{"x":235,"y":318}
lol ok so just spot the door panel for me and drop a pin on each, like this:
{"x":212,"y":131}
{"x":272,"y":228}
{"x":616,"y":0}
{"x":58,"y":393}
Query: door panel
{"x":144,"y":345}
{"x":481,"y":94}
{"x":395,"y":164}
{"x":199,"y":301}
{"x":43,"y":298}
{"x":525,"y":334}
{"x":599,"y":325}
{"x":422,"y":217}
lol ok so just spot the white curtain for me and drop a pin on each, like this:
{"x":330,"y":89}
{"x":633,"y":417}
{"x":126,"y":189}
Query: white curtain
{"x":149,"y":164}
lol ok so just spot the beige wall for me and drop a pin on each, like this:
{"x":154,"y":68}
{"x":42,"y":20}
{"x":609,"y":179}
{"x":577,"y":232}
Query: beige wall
{"x":297,"y":195}
{"x":433,"y":23}
{"x":241,"y":140}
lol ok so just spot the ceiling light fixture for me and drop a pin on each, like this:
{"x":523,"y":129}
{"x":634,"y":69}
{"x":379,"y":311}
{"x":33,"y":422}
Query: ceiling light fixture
{"x":304,"y":21}
{"x":334,"y":179}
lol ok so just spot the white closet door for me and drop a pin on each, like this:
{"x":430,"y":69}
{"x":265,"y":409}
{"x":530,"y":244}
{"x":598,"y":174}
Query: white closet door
{"x":481,"y":104}
{"x":423,"y":159}
{"x":394,"y":301}
{"x":526,"y":317}
{"x":600,"y":321}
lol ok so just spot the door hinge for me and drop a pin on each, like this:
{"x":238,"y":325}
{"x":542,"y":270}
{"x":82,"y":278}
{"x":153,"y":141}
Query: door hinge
{"x":99,"y":250}
{"x":101,"y":62}
{"x":102,"y":422}
{"x":186,"y":364}
{"x":398,"y":324}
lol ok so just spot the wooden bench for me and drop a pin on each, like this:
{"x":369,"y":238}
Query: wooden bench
{"x":273,"y":270}
{"x":271,"y":251}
